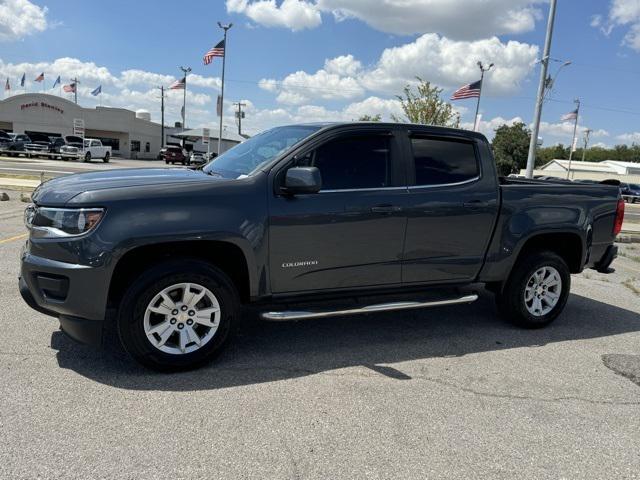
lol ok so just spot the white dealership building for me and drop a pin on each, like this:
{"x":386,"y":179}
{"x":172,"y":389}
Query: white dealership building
{"x":129,"y":134}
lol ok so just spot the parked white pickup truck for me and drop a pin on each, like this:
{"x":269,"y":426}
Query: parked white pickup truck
{"x":93,"y":148}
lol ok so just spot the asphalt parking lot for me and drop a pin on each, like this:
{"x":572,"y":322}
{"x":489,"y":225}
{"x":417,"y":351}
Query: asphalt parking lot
{"x":443,"y":393}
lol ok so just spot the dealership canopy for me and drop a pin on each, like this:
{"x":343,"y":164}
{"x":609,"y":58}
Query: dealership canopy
{"x":196,"y":134}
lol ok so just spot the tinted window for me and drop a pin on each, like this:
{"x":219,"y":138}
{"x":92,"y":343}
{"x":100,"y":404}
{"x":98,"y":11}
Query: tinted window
{"x":354,"y":162}
{"x":440,"y":161}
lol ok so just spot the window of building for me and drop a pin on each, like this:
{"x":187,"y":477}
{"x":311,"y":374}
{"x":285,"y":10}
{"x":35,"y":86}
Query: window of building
{"x":114,"y":143}
{"x":147,"y":147}
{"x":354,"y":162}
{"x":443,"y":161}
{"x":135,"y":145}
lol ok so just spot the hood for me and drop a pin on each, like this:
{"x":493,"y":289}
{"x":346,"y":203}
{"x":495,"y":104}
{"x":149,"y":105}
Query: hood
{"x":60,"y":190}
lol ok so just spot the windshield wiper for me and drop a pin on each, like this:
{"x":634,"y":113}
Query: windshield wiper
{"x":214,"y":173}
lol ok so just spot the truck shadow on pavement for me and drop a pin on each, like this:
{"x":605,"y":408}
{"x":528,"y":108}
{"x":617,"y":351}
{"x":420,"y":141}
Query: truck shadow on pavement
{"x":267,"y":352}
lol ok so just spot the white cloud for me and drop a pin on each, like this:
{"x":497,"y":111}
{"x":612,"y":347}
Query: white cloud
{"x":326,"y":84}
{"x":450,"y":64}
{"x":444,"y":62}
{"x":461,"y":19}
{"x":632,"y":137}
{"x":622,"y":13}
{"x":345,"y":65}
{"x":488,"y":127}
{"x":19,"y":18}
{"x":292,"y":14}
{"x":565,"y":130}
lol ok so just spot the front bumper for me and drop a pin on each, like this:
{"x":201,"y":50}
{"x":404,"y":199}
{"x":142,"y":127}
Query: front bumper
{"x":75,"y":294}
{"x":85,"y":331}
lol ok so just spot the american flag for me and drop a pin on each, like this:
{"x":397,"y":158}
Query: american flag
{"x":178,"y":84}
{"x":40,"y":78}
{"x":217,"y":51}
{"x":471,"y":90}
{"x":569,"y":116}
{"x":71,"y":88}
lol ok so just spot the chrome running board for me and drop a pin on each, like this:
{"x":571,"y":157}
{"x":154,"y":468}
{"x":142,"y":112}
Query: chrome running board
{"x":382,"y":307}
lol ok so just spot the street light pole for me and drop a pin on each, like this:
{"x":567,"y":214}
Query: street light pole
{"x":482,"y":71}
{"x":573,"y":139}
{"x":531,"y":159}
{"x":226,"y":28}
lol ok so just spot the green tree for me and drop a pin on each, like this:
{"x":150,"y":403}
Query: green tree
{"x":424,"y":105}
{"x":370,"y":118}
{"x":511,"y":147}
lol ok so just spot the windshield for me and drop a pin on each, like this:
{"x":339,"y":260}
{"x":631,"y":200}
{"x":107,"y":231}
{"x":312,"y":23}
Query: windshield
{"x":252,"y":154}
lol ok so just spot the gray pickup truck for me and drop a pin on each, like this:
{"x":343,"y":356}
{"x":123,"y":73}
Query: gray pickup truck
{"x":306,"y":221}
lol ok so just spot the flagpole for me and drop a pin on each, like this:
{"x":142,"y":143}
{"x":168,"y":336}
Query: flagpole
{"x":185,"y":71}
{"x":224,"y":61}
{"x":573,"y":140}
{"x":482,"y":71}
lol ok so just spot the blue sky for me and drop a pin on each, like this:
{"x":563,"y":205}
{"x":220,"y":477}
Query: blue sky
{"x":306,"y":60}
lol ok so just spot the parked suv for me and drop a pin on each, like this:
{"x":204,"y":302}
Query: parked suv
{"x":174,"y":155}
{"x":307,"y":222}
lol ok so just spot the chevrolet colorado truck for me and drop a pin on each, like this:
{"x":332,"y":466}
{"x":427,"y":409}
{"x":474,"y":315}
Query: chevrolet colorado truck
{"x":306,"y":221}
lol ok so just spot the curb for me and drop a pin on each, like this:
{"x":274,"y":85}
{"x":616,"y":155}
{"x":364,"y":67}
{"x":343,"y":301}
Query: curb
{"x":628,"y":237}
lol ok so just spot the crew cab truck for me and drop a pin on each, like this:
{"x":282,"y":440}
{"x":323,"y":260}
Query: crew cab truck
{"x":91,"y":149}
{"x":307,"y":221}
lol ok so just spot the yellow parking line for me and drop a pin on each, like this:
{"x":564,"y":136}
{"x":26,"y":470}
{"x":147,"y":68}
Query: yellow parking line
{"x":11,"y":239}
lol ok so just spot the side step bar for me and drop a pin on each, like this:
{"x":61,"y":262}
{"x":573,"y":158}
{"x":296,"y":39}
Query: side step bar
{"x":382,"y":307}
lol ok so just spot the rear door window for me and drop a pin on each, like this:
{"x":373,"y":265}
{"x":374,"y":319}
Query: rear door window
{"x":439,"y":161}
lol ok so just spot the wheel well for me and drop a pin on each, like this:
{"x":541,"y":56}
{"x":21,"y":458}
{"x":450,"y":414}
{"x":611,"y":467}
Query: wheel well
{"x":566,"y":245}
{"x":226,"y":256}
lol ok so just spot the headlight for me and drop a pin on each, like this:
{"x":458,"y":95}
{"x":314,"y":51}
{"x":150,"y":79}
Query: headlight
{"x":61,"y":222}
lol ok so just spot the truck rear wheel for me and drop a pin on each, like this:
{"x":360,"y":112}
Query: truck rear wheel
{"x":106,"y":157}
{"x":536,"y":291}
{"x":178,"y":315}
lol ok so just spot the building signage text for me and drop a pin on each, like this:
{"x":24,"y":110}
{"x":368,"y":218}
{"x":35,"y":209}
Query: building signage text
{"x":24,"y":106}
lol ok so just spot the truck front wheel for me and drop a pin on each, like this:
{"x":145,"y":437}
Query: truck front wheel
{"x":178,"y":315}
{"x":536,"y":291}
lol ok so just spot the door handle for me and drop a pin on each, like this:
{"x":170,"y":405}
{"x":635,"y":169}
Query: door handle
{"x":386,"y":209}
{"x":475,"y":204}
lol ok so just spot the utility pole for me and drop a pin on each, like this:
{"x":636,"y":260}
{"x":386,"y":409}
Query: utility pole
{"x":482,"y":71}
{"x":226,"y":28}
{"x":161,"y":87}
{"x":240,"y":115}
{"x":75,"y":82}
{"x":587,"y":134}
{"x":544,"y":64}
{"x":573,"y":139}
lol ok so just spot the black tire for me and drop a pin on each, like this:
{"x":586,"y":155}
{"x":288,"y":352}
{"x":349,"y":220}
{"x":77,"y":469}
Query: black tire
{"x":511,"y":302}
{"x":106,"y":157}
{"x":87,"y":157}
{"x":167,"y":162}
{"x":134,"y":304}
